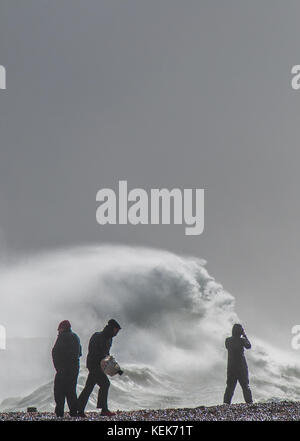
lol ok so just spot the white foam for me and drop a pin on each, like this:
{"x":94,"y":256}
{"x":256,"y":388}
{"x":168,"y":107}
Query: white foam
{"x":174,"y":319}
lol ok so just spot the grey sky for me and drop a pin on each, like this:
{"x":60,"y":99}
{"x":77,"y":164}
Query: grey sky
{"x":163,"y":94}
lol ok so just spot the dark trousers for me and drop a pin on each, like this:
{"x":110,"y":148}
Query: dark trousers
{"x":96,"y":376}
{"x":65,"y":388}
{"x":234,"y":376}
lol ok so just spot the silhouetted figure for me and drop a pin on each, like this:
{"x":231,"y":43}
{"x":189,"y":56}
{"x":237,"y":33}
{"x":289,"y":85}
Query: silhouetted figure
{"x":99,"y":347}
{"x":65,"y":354}
{"x":237,"y":369}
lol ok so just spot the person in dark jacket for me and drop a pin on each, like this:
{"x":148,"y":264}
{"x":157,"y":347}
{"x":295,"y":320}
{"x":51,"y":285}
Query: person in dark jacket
{"x":65,"y":354}
{"x":237,"y":369}
{"x":99,"y":347}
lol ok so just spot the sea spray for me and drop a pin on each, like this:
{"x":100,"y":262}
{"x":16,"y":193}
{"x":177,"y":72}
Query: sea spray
{"x":174,"y":319}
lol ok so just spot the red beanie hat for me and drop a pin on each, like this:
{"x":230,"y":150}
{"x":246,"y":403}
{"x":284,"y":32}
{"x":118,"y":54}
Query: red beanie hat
{"x":64,"y":326}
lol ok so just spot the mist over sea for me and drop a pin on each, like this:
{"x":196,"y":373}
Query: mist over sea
{"x":174,"y":319}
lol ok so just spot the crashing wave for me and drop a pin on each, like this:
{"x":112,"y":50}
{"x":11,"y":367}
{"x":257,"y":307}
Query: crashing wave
{"x":174,"y":319}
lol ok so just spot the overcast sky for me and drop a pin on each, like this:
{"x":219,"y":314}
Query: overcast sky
{"x":162,"y":93}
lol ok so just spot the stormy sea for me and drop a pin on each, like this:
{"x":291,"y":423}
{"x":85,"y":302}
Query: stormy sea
{"x":174,"y":317}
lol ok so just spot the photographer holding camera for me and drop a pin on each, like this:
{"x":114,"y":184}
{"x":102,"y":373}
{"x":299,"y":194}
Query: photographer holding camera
{"x":237,"y":369}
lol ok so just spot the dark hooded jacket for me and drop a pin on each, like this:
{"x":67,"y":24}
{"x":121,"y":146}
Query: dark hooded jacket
{"x":99,"y":347}
{"x":235,"y":346}
{"x":66,"y":351}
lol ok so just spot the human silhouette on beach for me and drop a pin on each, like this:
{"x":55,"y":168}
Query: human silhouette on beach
{"x":65,"y":354}
{"x":237,"y":369}
{"x":99,"y":347}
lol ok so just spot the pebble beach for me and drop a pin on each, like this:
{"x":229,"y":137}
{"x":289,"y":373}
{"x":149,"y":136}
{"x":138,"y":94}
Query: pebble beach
{"x":282,"y":411}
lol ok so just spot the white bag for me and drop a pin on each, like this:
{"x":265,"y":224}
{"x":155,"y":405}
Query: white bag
{"x":110,"y":366}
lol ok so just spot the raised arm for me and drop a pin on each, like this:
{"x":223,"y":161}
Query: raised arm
{"x":246,"y":342}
